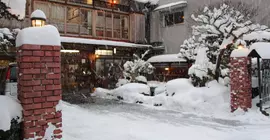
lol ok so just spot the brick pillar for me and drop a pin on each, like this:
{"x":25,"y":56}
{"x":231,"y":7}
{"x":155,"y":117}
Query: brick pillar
{"x":39,"y":89}
{"x":240,"y":74}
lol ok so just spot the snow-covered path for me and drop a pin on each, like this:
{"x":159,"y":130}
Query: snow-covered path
{"x":118,"y":121}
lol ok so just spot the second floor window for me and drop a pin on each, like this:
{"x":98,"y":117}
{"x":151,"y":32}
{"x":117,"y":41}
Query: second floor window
{"x":173,"y":18}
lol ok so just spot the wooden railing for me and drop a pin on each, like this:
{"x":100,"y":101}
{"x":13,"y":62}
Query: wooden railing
{"x":103,"y":4}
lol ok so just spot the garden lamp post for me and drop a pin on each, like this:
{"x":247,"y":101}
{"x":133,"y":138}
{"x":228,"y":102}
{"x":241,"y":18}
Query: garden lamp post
{"x":38,"y":18}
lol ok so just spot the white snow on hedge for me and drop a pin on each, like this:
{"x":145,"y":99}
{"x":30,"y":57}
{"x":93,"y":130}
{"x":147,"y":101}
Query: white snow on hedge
{"x":240,"y":52}
{"x":100,"y":42}
{"x":141,"y":79}
{"x":178,"y":86}
{"x":171,"y":5}
{"x":131,"y":92}
{"x":38,"y":14}
{"x":166,"y":58}
{"x":259,"y":36}
{"x":47,"y":35}
{"x":10,"y":109}
{"x":121,"y":82}
{"x":17,"y":7}
{"x":262,"y":48}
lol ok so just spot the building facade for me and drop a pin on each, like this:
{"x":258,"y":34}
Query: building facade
{"x":170,"y":21}
{"x":98,"y":37}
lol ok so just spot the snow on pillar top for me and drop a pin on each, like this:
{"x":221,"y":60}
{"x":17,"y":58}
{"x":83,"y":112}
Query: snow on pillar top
{"x":46,"y":35}
{"x":38,"y":14}
{"x":240,"y":52}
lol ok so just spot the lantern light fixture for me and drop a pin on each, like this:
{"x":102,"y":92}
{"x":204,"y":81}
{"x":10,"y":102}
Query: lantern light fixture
{"x":38,"y":18}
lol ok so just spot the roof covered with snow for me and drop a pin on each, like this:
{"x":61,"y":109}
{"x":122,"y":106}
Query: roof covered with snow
{"x":259,"y":35}
{"x":38,"y":14}
{"x":100,"y":42}
{"x":166,"y":58}
{"x":46,"y":35}
{"x":262,"y":49}
{"x":171,"y":5}
{"x":17,"y":7}
{"x":145,"y":1}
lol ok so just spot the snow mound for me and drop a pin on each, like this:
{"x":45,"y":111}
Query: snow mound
{"x":178,"y":86}
{"x":121,"y":82}
{"x":205,"y":100}
{"x":46,"y":35}
{"x":141,"y":79}
{"x":131,"y":92}
{"x":38,"y":14}
{"x":10,"y":109}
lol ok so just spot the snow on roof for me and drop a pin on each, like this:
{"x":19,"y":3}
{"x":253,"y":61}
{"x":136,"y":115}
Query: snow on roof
{"x":145,"y":1}
{"x":38,"y":14}
{"x":262,"y":48}
{"x":169,"y":5}
{"x":240,"y":52}
{"x":100,"y":42}
{"x":17,"y":7}
{"x":46,"y":35}
{"x":166,"y":58}
{"x":260,"y":35}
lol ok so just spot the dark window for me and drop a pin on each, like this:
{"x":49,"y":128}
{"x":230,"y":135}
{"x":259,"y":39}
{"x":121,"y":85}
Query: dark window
{"x":178,"y":17}
{"x":174,"y":18}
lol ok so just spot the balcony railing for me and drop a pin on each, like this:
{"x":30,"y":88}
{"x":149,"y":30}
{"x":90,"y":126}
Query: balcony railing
{"x":103,"y":4}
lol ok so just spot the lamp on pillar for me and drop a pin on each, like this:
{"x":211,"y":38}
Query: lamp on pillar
{"x":240,"y":46}
{"x":38,"y":18}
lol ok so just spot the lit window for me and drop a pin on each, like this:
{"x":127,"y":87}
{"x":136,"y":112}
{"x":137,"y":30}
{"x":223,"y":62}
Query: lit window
{"x":104,"y":52}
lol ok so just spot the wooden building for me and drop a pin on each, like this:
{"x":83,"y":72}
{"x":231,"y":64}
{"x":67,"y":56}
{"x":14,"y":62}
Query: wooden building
{"x":168,"y":67}
{"x":98,"y":37}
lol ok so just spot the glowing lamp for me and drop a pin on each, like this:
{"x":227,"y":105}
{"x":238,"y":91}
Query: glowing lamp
{"x":38,"y":18}
{"x":167,"y":69}
{"x":240,"y":46}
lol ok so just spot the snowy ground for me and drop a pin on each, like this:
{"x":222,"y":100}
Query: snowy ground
{"x":106,"y":120}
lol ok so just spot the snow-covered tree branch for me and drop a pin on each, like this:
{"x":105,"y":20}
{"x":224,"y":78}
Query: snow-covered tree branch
{"x":217,"y":29}
{"x":138,"y":66}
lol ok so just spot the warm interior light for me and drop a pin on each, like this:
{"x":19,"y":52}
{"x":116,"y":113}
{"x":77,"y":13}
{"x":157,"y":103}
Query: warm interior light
{"x":38,"y":23}
{"x":114,"y":50}
{"x":97,"y":56}
{"x":70,"y":51}
{"x":167,"y":69}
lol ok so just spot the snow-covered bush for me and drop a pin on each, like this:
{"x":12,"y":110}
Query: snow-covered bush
{"x":137,"y":67}
{"x":178,"y":85}
{"x":141,"y":79}
{"x":121,"y":82}
{"x":10,"y":118}
{"x":217,"y":29}
{"x":131,"y":92}
{"x":7,"y":39}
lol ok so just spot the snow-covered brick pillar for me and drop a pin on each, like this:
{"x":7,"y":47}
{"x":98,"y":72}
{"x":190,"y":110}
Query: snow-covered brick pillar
{"x":240,"y":75}
{"x":39,"y":82}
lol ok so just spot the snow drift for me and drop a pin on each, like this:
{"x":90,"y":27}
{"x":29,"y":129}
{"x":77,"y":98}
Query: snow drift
{"x":10,"y":109}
